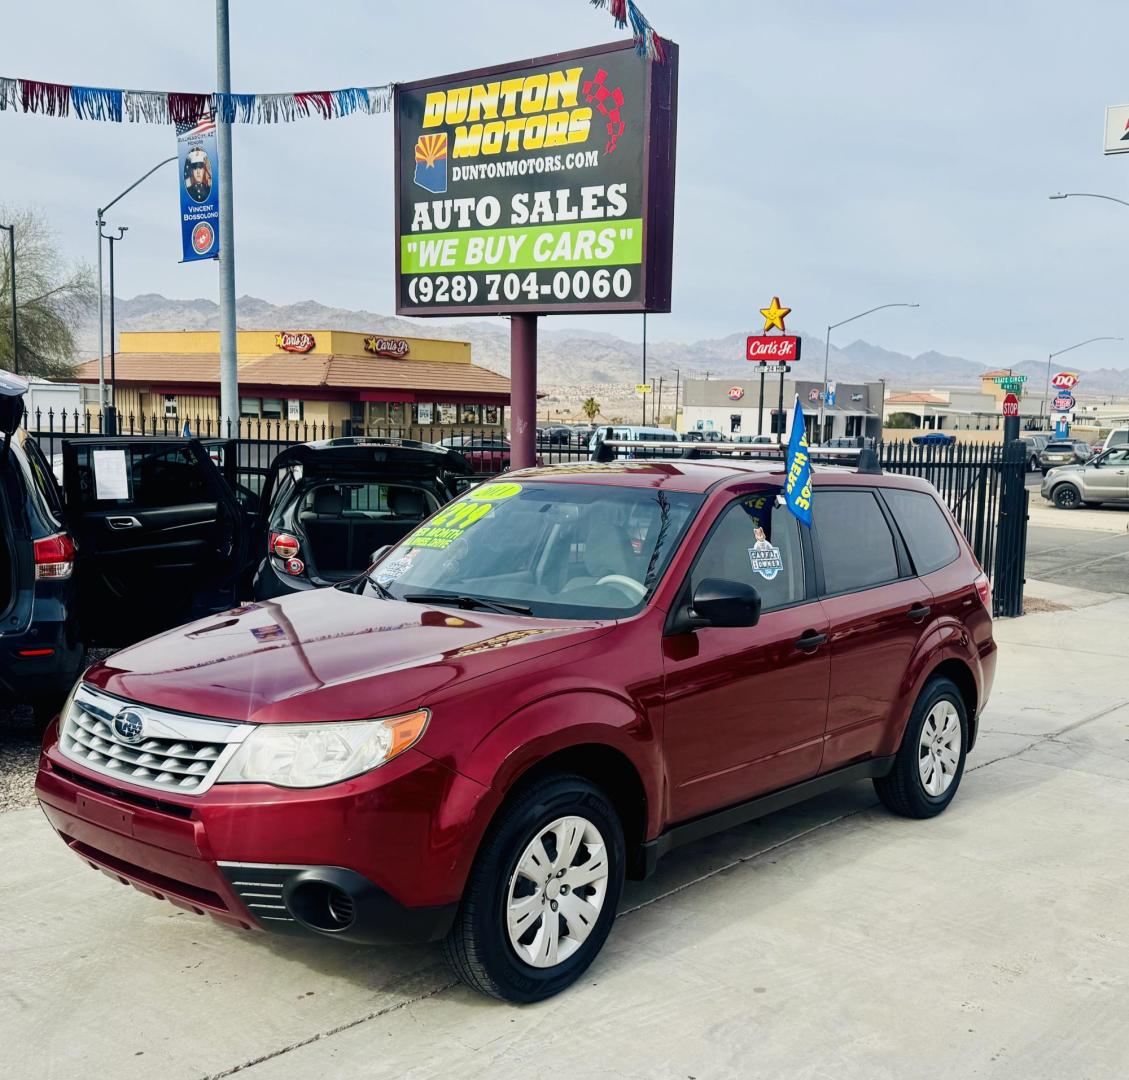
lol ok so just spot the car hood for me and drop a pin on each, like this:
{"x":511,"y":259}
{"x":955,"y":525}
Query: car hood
{"x":1058,"y":470}
{"x":325,"y":654}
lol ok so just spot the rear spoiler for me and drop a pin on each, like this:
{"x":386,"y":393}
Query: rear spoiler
{"x":864,"y":459}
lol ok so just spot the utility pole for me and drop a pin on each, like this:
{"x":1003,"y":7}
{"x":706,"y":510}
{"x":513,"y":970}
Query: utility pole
{"x":12,"y":281}
{"x":110,"y":412}
{"x":229,"y":375}
{"x":644,"y":368}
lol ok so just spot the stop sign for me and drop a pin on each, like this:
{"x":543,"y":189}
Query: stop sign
{"x":1011,"y":405}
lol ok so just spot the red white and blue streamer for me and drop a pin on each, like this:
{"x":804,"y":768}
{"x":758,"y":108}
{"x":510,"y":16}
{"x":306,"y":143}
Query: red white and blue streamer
{"x":626,"y":13}
{"x":172,"y":107}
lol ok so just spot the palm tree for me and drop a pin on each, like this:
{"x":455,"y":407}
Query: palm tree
{"x":591,"y":408}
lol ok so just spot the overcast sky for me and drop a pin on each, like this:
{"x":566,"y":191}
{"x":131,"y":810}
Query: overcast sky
{"x":839,"y":155}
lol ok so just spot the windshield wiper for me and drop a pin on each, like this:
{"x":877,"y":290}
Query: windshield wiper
{"x":470,"y":602}
{"x":381,"y":591}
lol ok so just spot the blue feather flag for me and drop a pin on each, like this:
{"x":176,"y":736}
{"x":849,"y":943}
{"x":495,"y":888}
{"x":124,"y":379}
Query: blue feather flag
{"x":797,"y":483}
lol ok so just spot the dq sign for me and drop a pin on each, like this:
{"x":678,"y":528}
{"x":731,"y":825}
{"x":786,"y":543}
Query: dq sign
{"x":736,"y":393}
{"x":1065,"y":380}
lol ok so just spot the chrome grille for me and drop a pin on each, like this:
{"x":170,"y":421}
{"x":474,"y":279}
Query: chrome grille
{"x":174,"y":753}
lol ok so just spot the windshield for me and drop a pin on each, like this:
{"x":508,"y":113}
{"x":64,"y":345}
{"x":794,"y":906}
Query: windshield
{"x":562,"y":550}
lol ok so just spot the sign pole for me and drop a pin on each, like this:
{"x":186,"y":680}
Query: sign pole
{"x":229,"y":377}
{"x":780,"y":422}
{"x":760,"y":407}
{"x":523,"y":390}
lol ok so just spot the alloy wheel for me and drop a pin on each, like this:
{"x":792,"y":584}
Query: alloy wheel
{"x":557,"y":891}
{"x":938,"y":752}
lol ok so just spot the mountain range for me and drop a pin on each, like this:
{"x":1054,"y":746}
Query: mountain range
{"x":572,"y":361}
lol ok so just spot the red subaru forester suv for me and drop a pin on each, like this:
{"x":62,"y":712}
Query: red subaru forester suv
{"x":556,"y":679}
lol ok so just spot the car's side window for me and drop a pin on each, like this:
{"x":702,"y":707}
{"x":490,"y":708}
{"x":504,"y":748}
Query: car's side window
{"x":855,"y":542}
{"x":1117,"y":457}
{"x":924,"y":528}
{"x":756,"y":542}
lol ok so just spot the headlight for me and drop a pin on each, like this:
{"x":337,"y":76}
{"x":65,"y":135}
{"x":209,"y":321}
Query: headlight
{"x":64,"y":712}
{"x":313,"y":755}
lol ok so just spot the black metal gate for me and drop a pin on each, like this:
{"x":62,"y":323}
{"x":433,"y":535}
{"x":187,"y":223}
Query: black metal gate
{"x":984,"y":485}
{"x":985,"y":488}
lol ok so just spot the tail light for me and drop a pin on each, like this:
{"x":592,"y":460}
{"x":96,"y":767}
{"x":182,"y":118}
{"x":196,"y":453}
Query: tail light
{"x":54,"y":557}
{"x":984,"y":591}
{"x":284,"y":546}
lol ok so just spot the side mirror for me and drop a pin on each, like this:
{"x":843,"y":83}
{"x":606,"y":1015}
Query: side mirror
{"x":718,"y":602}
{"x":379,"y":553}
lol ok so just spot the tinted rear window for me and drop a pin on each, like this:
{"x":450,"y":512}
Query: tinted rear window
{"x":924,"y":527}
{"x":1061,"y":447}
{"x":855,"y":541}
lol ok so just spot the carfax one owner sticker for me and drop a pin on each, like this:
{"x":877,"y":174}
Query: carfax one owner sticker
{"x":546,"y":185}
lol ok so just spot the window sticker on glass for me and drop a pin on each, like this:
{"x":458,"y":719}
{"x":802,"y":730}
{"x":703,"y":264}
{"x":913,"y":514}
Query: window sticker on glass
{"x":451,"y":522}
{"x":765,"y":558}
{"x":111,"y":476}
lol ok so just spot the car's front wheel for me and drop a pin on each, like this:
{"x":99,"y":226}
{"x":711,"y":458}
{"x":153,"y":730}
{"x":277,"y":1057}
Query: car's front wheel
{"x":543,"y":893}
{"x":1066,"y":497}
{"x":930,"y":762}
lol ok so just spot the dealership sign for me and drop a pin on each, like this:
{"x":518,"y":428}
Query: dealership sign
{"x":293,"y":341}
{"x":1065,"y":380}
{"x":395,"y":347}
{"x":1063,"y":403}
{"x":540,"y":186}
{"x":780,"y":350}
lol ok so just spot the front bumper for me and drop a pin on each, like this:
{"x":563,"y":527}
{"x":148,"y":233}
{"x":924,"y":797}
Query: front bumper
{"x":378,"y":859}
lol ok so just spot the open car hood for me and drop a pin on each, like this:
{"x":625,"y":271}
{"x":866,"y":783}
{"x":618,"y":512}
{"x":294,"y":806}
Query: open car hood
{"x":12,"y":390}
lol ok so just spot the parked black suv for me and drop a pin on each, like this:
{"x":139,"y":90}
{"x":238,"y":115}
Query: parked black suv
{"x":40,"y":652}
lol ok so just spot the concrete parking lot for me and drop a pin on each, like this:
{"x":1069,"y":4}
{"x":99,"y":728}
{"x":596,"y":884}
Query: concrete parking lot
{"x":829,"y":940}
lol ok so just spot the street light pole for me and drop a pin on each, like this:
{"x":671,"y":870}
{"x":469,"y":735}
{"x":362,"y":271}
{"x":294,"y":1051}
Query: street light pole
{"x":12,"y":279}
{"x":1086,"y":195}
{"x":99,"y":223}
{"x":1043,"y":409}
{"x":229,"y":375}
{"x":110,"y":414}
{"x":827,"y":352}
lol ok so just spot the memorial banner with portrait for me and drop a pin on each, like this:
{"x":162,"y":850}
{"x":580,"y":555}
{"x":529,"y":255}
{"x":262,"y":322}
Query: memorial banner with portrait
{"x":199,"y":189}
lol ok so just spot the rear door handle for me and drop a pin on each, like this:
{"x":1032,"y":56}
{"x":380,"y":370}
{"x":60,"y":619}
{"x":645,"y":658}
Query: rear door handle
{"x":810,"y":641}
{"x":918,"y":612}
{"x":119,"y":523}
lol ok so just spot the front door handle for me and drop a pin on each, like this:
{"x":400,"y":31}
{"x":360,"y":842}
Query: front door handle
{"x":810,"y":641}
{"x":918,"y":612}
{"x":118,"y":523}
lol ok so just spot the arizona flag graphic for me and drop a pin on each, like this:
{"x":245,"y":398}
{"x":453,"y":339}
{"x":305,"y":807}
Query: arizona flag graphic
{"x":431,"y":163}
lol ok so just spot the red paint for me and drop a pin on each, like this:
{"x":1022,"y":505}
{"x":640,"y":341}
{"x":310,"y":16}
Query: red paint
{"x":776,"y":350}
{"x":703,"y":719}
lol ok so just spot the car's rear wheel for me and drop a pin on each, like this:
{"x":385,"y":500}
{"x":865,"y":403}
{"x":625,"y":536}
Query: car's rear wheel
{"x":1066,"y":497}
{"x":542,"y":896}
{"x":930,"y":762}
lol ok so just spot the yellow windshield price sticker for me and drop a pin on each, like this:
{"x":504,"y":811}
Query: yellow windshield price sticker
{"x":494,"y":492}
{"x":453,"y":520}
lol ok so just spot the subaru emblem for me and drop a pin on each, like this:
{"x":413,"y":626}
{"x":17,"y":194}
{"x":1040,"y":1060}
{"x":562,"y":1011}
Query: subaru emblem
{"x":129,"y":726}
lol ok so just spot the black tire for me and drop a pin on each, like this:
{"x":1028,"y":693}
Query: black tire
{"x":1066,"y":497}
{"x":902,"y":789}
{"x":478,"y":946}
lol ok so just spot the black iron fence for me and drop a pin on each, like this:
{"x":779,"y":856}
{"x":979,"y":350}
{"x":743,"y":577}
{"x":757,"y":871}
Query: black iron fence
{"x":983,"y":484}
